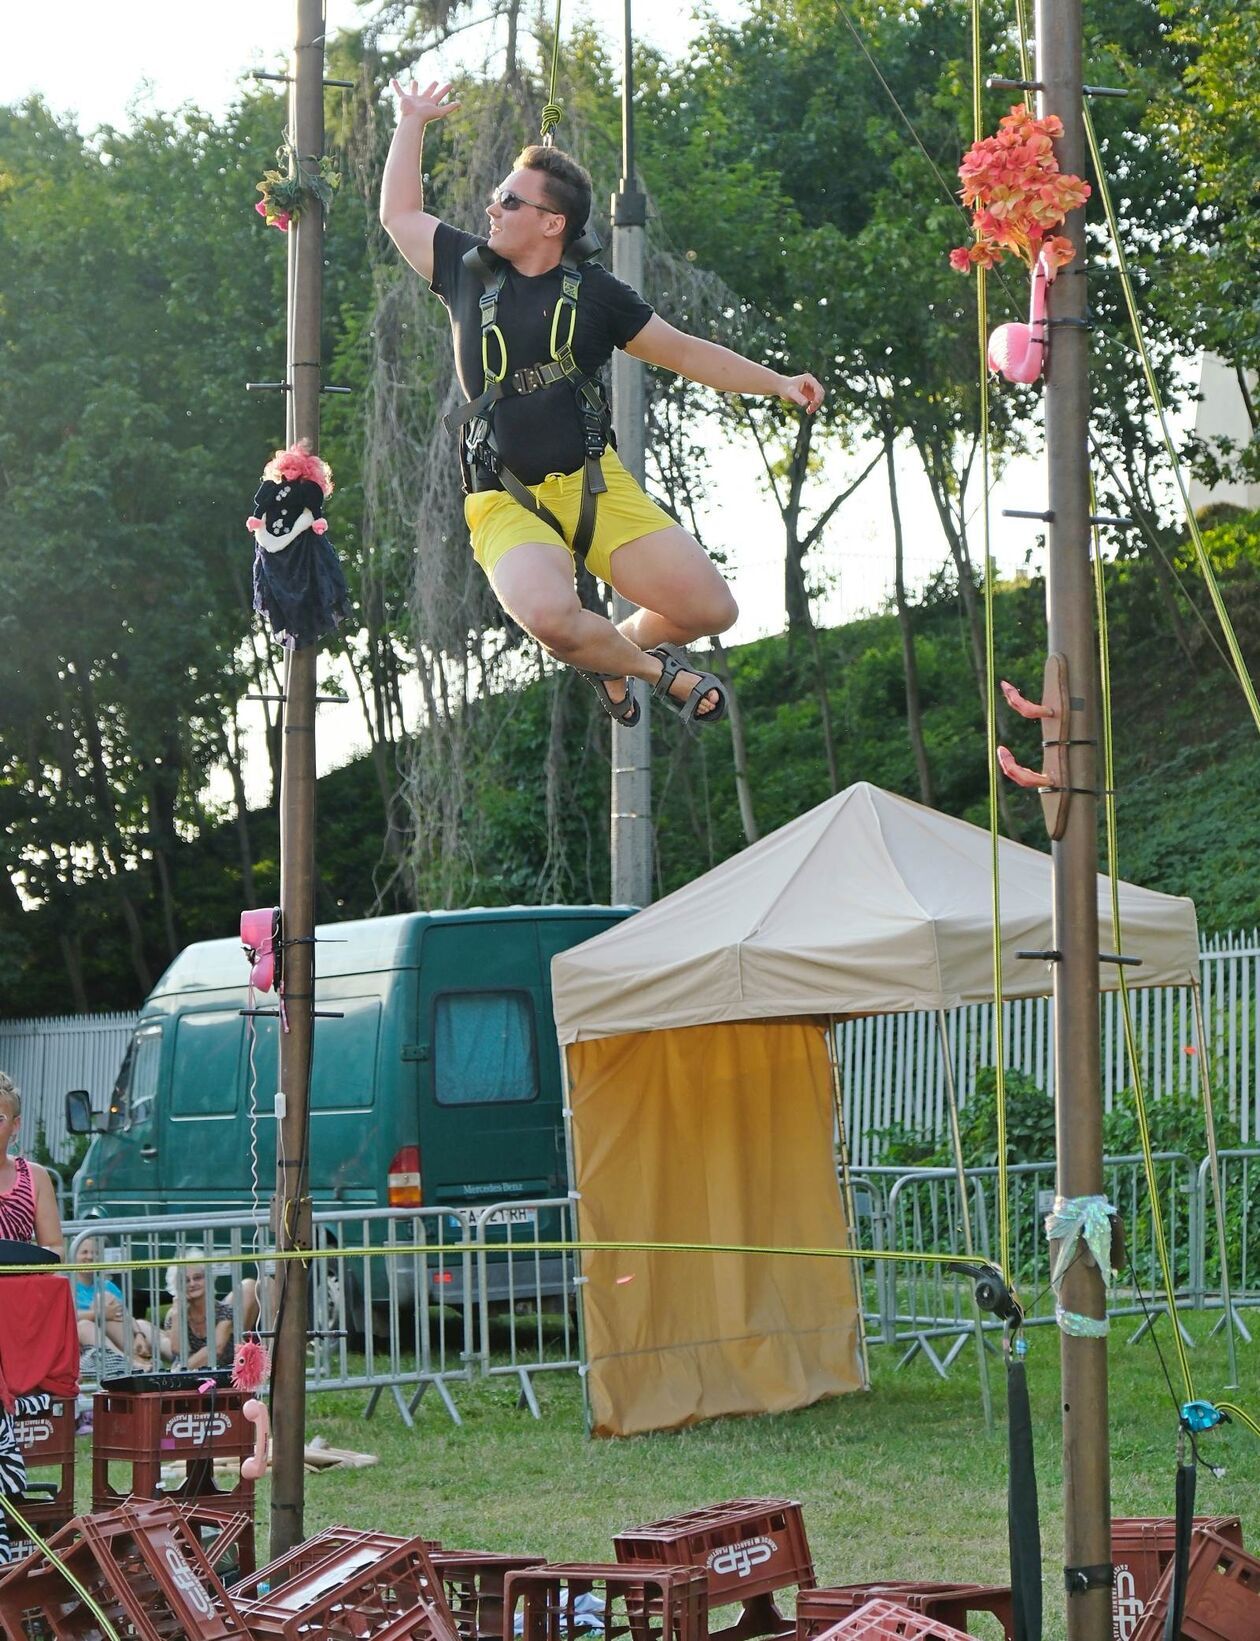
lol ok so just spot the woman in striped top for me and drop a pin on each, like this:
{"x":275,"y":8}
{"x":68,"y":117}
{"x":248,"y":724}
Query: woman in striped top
{"x":28,"y":1203}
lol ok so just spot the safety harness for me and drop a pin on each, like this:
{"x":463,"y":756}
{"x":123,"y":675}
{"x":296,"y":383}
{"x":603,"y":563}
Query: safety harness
{"x":475,"y":420}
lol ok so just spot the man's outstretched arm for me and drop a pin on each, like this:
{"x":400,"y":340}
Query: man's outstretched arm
{"x":715,"y":366}
{"x":403,"y":215}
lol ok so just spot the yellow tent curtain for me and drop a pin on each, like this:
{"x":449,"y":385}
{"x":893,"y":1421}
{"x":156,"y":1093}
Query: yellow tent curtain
{"x":711,"y":1133}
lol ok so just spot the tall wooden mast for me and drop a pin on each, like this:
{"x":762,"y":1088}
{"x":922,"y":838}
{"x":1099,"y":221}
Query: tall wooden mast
{"x":1078,"y":1080}
{"x":631,"y":829}
{"x":292,"y":1204}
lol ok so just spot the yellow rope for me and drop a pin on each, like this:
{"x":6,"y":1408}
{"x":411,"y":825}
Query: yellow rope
{"x":1025,"y":61}
{"x":1237,"y":1413}
{"x":384,"y":1250}
{"x":1130,"y":1036}
{"x":1201,"y":553}
{"x":552,"y":113}
{"x":999,"y":1027}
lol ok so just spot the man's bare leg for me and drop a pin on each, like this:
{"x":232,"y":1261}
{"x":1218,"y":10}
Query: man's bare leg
{"x":669,"y":571}
{"x":534,"y":583}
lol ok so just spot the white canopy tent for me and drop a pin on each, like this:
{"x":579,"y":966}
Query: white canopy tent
{"x":868,"y":904}
{"x":696,"y":1039}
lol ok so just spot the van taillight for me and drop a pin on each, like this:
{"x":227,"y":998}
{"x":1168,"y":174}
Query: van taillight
{"x":404,"y":1178}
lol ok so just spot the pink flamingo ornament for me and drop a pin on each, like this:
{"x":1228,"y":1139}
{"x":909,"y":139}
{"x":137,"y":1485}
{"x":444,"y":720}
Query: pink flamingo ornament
{"x":1018,"y":351}
{"x":260,"y":932}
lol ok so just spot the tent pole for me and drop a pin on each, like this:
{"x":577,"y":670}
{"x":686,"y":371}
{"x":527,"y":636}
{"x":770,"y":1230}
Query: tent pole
{"x":575,"y":1220}
{"x":964,"y":1210}
{"x":1218,"y":1201}
{"x":846,"y":1191}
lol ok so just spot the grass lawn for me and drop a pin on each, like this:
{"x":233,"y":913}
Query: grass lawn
{"x":903,"y":1482}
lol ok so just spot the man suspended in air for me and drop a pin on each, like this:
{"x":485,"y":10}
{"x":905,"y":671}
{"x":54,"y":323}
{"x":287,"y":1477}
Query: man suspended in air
{"x":533,"y":324}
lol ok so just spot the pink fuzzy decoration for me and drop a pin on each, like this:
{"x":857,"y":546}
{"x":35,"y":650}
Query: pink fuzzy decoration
{"x":298,"y":462}
{"x":250,"y":1366}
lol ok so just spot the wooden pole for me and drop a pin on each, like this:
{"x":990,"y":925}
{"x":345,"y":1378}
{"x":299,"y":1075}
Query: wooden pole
{"x":1078,"y":1078}
{"x":631,"y":830}
{"x":292,"y":1206}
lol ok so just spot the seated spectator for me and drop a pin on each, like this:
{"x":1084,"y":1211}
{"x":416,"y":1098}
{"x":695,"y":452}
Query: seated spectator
{"x":104,"y":1321}
{"x":185,"y":1323}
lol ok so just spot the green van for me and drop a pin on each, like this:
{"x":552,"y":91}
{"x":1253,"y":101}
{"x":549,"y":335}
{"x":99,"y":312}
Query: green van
{"x":439,"y":1083}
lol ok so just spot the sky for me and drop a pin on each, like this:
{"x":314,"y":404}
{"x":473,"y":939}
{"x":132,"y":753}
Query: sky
{"x":78,"y":57}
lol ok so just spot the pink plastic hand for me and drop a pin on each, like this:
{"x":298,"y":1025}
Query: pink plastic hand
{"x":1022,"y":705}
{"x":1019,"y":773}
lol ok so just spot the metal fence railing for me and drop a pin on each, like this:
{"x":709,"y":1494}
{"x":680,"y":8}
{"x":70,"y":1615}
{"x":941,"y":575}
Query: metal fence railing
{"x":413,"y":1300}
{"x":402,"y":1300}
{"x":910,"y":1304}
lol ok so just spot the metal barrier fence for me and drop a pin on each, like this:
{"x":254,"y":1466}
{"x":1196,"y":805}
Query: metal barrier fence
{"x":406,"y":1299}
{"x":911,"y":1305}
{"x":413,"y":1299}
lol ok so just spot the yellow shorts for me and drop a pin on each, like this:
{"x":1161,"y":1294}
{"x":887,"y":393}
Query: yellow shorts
{"x":497,"y":523}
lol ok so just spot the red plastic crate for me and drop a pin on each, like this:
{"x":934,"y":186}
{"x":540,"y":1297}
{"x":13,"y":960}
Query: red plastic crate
{"x":1141,"y":1550}
{"x":347,"y":1586}
{"x":881,"y":1620}
{"x":637,"y":1598}
{"x":146,"y":1429}
{"x":749,"y":1547}
{"x":143,"y":1567}
{"x":1222,"y":1594}
{"x":46,"y":1516}
{"x":472,"y":1581}
{"x":226,"y":1538}
{"x":47,"y":1443}
{"x":820,"y":1610}
{"x":47,"y":1438}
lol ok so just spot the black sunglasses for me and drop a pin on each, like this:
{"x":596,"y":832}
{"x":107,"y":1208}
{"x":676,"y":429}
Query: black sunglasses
{"x":508,"y":201}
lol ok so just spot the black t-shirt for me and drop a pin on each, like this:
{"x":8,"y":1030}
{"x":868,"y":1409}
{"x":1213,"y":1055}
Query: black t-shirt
{"x":541,"y":432}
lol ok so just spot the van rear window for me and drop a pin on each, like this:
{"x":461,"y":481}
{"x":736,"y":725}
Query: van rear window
{"x":483,"y":1048}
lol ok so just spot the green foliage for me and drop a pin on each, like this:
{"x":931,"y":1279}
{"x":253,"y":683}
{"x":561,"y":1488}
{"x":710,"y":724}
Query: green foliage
{"x":67,"y":1167}
{"x":1175,"y":1124}
{"x":1029,"y":1120}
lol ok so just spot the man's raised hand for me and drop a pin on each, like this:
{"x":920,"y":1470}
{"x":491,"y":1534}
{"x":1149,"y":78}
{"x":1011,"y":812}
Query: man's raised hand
{"x":428,"y":104}
{"x":805,"y":390}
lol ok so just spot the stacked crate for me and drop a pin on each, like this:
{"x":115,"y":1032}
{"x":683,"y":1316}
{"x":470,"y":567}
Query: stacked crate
{"x":749,"y":1548}
{"x":160,"y":1419}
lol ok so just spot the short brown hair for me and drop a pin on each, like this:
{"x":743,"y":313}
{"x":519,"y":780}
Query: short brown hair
{"x":567,"y":185}
{"x":8,"y":1092}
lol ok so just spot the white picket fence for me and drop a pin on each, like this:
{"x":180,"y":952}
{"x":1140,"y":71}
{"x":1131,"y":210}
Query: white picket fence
{"x":46,"y":1058}
{"x":893,"y":1068}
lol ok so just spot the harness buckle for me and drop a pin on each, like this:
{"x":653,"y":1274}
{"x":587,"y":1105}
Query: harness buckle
{"x":478,"y":448}
{"x":528,"y":379}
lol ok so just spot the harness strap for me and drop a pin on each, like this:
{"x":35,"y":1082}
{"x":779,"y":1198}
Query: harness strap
{"x":474,"y":421}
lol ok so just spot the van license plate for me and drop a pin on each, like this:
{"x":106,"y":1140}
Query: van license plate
{"x":513,"y":1216}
